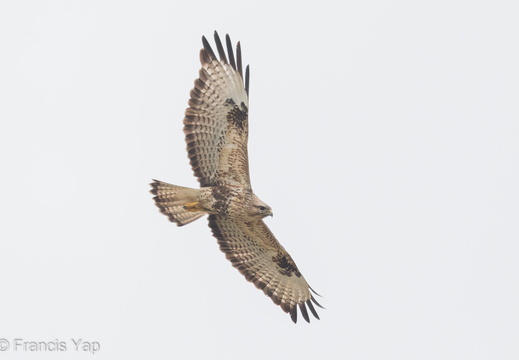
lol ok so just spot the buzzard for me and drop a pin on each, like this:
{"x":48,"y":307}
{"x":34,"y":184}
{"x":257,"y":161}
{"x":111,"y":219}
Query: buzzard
{"x":216,"y":132}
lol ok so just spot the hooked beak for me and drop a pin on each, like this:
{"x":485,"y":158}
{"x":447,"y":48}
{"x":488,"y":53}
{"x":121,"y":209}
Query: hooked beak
{"x":271,"y":214}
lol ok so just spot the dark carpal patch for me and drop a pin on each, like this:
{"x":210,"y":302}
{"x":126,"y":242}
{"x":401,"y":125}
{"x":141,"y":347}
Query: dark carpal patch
{"x":237,"y":115}
{"x":286,"y":264}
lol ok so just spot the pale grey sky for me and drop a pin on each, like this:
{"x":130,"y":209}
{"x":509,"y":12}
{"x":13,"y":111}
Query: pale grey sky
{"x":384,"y":134}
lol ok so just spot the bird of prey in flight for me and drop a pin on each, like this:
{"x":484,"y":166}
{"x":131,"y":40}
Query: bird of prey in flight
{"x":216,"y":128}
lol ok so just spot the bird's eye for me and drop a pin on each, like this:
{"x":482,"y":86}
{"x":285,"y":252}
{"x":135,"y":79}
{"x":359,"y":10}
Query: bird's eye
{"x":262,"y":208}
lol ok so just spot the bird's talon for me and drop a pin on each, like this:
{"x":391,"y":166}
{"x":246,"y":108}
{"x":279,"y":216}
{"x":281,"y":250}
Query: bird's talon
{"x":192,"y":206}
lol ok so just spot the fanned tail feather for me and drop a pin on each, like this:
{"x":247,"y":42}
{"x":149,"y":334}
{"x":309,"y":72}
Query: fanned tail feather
{"x":170,"y":199}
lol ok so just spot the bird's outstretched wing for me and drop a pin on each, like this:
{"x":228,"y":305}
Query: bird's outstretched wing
{"x":216,"y":122}
{"x":255,"y":252}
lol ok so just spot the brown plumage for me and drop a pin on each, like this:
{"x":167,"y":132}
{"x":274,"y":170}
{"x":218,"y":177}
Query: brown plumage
{"x":216,"y":131}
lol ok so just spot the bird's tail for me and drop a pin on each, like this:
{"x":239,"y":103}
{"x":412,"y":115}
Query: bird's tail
{"x":176,"y":202}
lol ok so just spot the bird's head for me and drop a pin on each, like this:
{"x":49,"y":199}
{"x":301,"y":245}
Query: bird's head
{"x":259,"y":208}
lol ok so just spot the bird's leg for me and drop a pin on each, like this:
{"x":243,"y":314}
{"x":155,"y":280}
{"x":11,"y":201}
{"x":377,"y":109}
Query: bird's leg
{"x":193,"y":206}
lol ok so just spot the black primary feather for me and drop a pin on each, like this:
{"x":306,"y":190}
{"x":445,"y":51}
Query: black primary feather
{"x":230,"y":52}
{"x":247,"y":80}
{"x":219,"y":47}
{"x":238,"y":58}
{"x":208,"y":48}
{"x":302,"y":307}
